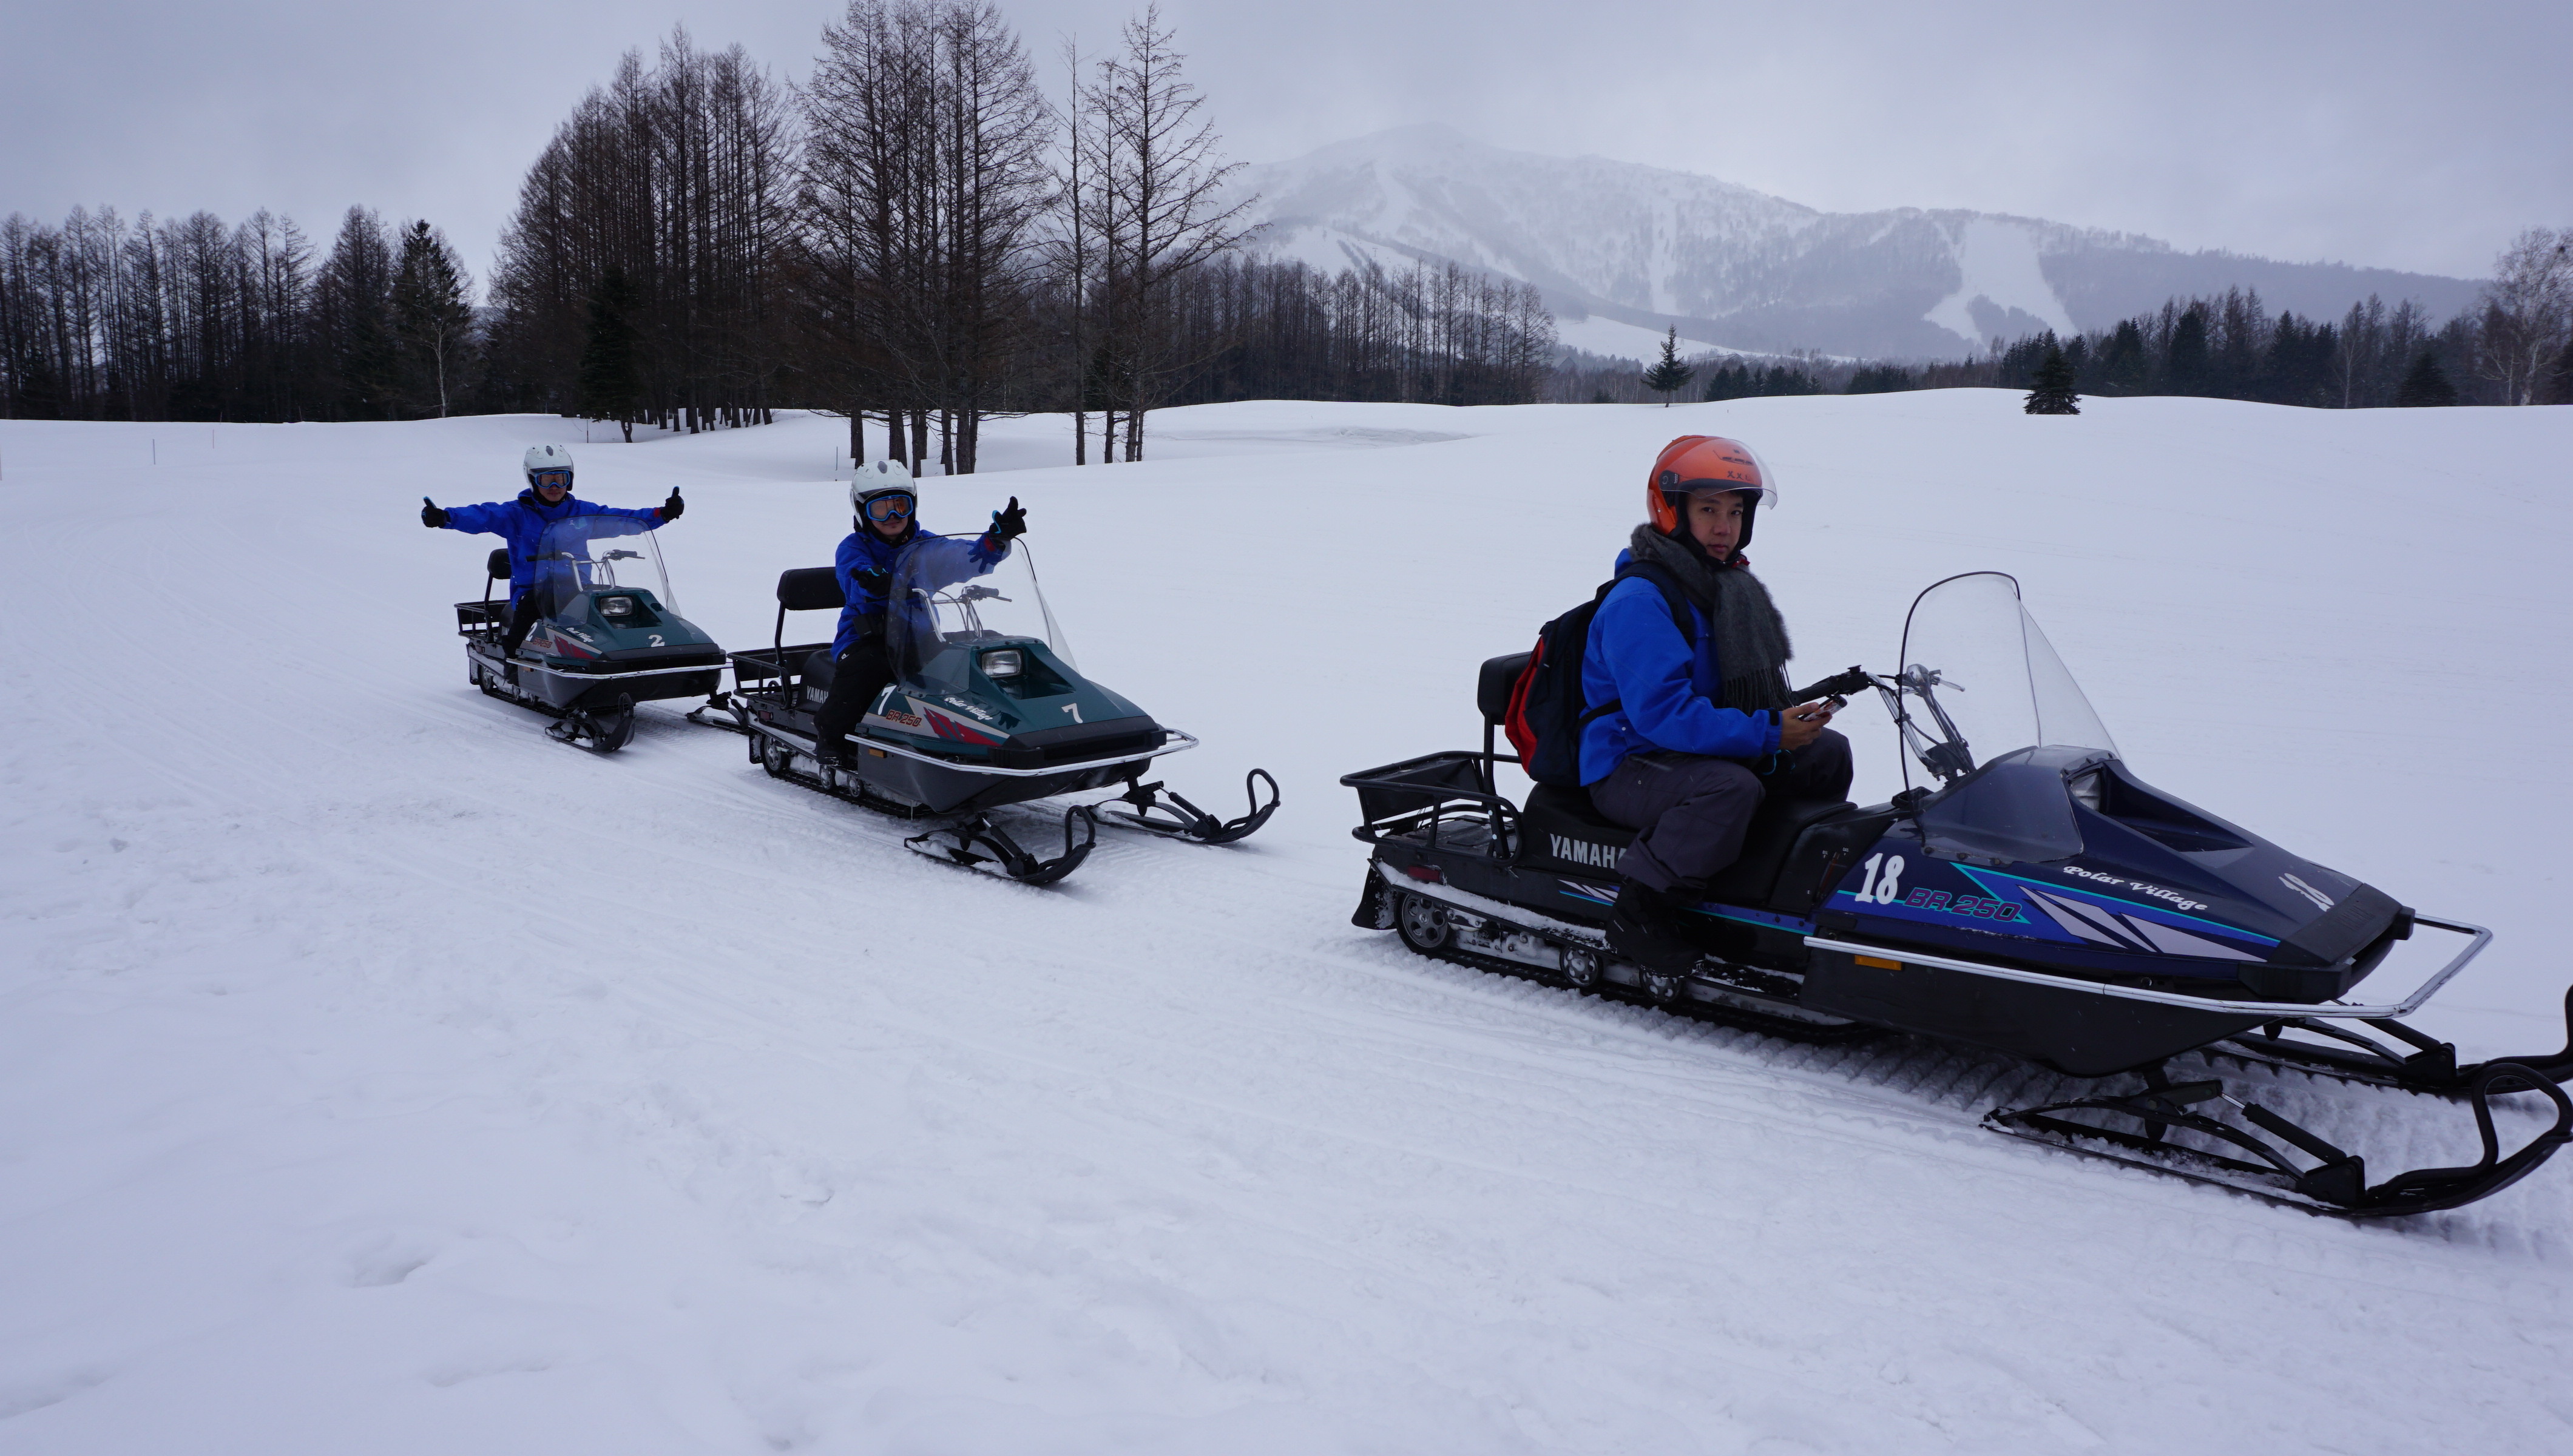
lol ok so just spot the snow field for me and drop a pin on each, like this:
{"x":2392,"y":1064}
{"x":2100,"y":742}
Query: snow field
{"x":378,"y":1075}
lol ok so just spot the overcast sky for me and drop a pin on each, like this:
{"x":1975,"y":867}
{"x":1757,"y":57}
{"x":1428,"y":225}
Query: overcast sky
{"x":2408,"y":136}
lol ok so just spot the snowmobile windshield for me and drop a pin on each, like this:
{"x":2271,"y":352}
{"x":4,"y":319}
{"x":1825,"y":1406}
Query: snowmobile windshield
{"x":1980,"y":681}
{"x":594,"y":553}
{"x":946,"y":596}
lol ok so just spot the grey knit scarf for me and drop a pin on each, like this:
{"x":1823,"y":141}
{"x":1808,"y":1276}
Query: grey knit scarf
{"x":1751,"y":646}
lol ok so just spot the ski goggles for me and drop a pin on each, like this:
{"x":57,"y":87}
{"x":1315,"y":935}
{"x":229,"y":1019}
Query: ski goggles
{"x":551,"y":479}
{"x":892,"y":506}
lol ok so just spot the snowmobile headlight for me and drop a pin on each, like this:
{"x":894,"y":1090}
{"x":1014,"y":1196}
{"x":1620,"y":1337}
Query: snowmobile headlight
{"x":616,"y":606}
{"x":1002,"y":664}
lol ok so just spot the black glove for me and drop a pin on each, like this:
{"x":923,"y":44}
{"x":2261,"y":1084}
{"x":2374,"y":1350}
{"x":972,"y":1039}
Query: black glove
{"x":429,"y":515}
{"x":1010,"y":524}
{"x":671,"y":508}
{"x":876,"y":582}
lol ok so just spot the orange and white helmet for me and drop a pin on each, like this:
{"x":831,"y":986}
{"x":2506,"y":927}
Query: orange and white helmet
{"x":1695,"y":462}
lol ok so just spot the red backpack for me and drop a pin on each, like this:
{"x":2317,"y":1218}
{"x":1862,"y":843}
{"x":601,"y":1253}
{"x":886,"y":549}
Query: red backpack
{"x":1546,"y":713}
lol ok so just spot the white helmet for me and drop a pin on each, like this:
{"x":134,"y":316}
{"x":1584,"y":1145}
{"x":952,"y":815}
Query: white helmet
{"x":884,"y":477}
{"x":549,"y":458}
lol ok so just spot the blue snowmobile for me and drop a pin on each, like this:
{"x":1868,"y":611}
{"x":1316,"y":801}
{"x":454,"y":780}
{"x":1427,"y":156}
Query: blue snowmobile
{"x":2029,"y":894}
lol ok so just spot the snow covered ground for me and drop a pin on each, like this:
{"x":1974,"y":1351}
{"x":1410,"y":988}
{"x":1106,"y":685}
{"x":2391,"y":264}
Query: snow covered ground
{"x":377,"y":1074}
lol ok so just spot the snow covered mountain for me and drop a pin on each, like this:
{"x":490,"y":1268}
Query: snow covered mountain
{"x":1624,"y":250}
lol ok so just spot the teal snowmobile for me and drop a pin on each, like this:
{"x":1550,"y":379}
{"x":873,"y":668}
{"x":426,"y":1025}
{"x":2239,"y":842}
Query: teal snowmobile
{"x":987,"y":709}
{"x":611,"y":636}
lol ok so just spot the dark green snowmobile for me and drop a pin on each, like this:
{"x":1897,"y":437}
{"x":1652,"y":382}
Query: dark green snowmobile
{"x":987,"y":709}
{"x":611,"y":636}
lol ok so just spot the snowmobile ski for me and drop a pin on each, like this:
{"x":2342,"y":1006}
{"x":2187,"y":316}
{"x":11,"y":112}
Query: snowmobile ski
{"x":1154,"y":809}
{"x":2335,"y":1184}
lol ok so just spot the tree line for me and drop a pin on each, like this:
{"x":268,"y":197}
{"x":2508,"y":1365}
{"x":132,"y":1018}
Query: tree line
{"x":2514,"y":348}
{"x":920,"y":238}
{"x":192,"y":318}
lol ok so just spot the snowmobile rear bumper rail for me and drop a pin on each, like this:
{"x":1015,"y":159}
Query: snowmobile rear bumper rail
{"x":976,"y":765}
{"x":2477,"y":939}
{"x":529,"y":665}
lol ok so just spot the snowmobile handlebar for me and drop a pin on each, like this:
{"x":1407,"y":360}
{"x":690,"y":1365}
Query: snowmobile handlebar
{"x":1838,"y":685}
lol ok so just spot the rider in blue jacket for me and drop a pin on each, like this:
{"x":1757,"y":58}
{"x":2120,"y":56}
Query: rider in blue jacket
{"x":522,"y":523}
{"x":1703,"y":727}
{"x":885,"y":541}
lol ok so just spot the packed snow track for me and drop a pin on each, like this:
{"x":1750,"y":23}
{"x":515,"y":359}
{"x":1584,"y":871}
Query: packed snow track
{"x":378,"y":1075}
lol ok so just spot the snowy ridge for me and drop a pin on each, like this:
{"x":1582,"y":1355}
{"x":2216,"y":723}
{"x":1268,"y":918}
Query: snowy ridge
{"x":1647,"y":247}
{"x":378,"y":1075}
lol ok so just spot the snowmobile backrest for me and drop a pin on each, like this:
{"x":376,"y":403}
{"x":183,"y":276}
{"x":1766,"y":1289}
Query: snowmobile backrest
{"x":498,"y":565}
{"x":810,"y":589}
{"x":806,"y":589}
{"x":1493,"y":685}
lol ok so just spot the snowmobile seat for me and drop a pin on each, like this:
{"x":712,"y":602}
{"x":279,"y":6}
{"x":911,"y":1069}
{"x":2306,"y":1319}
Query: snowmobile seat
{"x":819,"y":670}
{"x":1563,"y":829}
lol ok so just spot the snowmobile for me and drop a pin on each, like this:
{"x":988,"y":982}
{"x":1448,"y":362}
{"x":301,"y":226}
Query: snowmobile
{"x":2031,"y":896}
{"x":986,"y":710}
{"x":611,"y":636}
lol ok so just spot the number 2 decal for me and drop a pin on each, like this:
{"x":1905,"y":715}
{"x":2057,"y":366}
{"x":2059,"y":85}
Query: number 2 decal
{"x":657,"y":641}
{"x":1881,"y":889}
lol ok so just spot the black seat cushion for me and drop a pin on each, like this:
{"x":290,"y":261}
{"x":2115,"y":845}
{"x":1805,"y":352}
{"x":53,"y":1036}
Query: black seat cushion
{"x":1563,"y":829}
{"x":1575,"y":805}
{"x":1492,"y":687}
{"x":498,"y":565}
{"x":819,"y":670}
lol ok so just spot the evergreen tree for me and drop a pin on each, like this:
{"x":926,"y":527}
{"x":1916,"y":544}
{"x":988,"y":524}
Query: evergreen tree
{"x":353,"y":316}
{"x":1730,"y":381}
{"x":1879,"y":380}
{"x":2123,"y":366}
{"x":2427,"y":384}
{"x":2186,"y":368}
{"x":432,"y":319}
{"x":2053,"y":380}
{"x":610,"y":383}
{"x":2559,"y":379}
{"x":1668,"y":375}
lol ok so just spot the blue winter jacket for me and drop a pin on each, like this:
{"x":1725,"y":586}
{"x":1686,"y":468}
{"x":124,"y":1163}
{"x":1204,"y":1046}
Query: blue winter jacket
{"x":522,"y":523}
{"x":933,"y":561}
{"x":1667,"y":695}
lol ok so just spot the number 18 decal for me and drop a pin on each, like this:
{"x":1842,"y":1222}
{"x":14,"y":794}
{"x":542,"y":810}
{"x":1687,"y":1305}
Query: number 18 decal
{"x":1881,"y":889}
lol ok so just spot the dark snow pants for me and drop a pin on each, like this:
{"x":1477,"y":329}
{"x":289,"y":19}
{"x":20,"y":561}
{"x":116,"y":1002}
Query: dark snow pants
{"x":1693,"y":810}
{"x":522,"y":620}
{"x":857,"y":675}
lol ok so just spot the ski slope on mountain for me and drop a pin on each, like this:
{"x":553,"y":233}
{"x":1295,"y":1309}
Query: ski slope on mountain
{"x":1648,"y":247}
{"x":378,"y":1075}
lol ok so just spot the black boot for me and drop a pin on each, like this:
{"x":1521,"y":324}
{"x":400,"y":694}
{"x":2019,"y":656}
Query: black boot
{"x":1647,"y":928}
{"x":831,"y":753}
